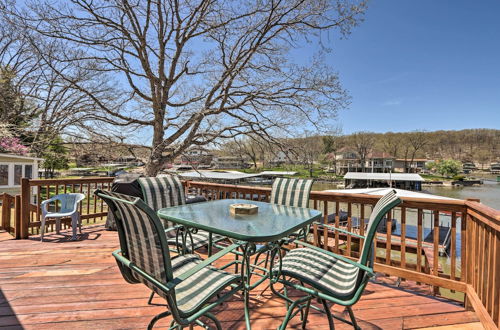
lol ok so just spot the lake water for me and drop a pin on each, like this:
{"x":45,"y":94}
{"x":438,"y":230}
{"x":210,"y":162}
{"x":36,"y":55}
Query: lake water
{"x":488,"y":193}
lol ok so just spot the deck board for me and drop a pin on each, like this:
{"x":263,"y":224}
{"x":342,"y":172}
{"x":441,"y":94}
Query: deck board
{"x":61,"y":284}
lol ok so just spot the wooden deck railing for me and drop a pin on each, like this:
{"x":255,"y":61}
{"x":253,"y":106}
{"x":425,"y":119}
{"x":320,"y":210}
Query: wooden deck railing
{"x":482,"y":272}
{"x":33,"y":192}
{"x":411,"y":251}
{"x":7,"y":213}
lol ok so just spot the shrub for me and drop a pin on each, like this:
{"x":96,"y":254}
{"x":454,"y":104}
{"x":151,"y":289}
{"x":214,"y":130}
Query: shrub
{"x":12,"y":145}
{"x":459,"y":177}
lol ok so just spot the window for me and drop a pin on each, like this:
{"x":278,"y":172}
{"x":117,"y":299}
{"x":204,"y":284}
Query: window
{"x":28,"y":171}
{"x":18,"y":173}
{"x":4,"y":175}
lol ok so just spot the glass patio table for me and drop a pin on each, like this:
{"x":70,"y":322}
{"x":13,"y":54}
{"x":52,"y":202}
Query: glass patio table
{"x":271,"y":224}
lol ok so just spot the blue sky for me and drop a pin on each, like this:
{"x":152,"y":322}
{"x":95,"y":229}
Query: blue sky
{"x":427,"y":64}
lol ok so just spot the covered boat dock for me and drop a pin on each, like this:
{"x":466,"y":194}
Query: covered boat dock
{"x":408,"y":181}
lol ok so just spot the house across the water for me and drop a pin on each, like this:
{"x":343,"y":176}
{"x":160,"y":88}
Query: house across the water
{"x":408,"y":181}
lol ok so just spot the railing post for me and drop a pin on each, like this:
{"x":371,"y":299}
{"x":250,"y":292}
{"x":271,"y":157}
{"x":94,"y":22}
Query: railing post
{"x":17,"y":217}
{"x":25,"y":208}
{"x":470,"y":241}
{"x":5,"y":223}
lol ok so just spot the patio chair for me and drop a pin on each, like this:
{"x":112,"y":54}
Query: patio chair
{"x":329,"y":276}
{"x":190,"y":286}
{"x":288,"y":192}
{"x":168,"y":191}
{"x":292,"y":192}
{"x":68,"y":208}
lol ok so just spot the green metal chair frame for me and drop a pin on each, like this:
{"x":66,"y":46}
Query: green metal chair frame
{"x":319,"y":287}
{"x":135,"y":217}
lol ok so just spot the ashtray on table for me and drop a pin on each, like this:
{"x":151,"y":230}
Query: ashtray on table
{"x":243,"y":209}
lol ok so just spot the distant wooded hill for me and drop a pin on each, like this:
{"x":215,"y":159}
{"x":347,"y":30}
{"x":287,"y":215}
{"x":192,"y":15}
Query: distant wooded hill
{"x":481,"y":146}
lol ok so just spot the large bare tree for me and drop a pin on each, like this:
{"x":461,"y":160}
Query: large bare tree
{"x":363,"y":143}
{"x":190,"y":72}
{"x":391,"y":143}
{"x":417,"y":141}
{"x":332,"y":143}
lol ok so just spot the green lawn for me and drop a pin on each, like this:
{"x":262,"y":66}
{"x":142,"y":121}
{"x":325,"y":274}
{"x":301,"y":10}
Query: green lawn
{"x":433,"y":177}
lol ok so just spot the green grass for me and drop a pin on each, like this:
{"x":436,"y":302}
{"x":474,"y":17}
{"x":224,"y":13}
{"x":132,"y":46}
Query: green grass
{"x":433,"y":177}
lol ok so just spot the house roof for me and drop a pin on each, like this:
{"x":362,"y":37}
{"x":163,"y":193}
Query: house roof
{"x":347,"y":149}
{"x":384,"y":176}
{"x":415,"y":160}
{"x":19,"y":156}
{"x":379,"y":154}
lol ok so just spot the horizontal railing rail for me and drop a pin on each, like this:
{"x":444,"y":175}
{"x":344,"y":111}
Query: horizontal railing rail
{"x":451,"y":245}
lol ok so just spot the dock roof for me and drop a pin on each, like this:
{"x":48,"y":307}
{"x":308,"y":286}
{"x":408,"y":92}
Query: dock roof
{"x":218,"y":175}
{"x":383,"y":191}
{"x":277,"y":173}
{"x":231,"y":175}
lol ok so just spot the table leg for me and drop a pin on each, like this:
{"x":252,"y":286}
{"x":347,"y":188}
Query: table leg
{"x":246,"y":274}
{"x":210,"y":242}
{"x":249,"y":249}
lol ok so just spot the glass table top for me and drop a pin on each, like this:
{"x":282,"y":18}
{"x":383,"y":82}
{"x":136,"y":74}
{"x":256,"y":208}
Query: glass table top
{"x":271,"y":223}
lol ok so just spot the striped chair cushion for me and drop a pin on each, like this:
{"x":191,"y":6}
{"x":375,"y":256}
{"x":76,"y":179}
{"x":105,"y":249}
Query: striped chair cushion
{"x":168,"y":191}
{"x":163,"y":191}
{"x":291,"y":192}
{"x":321,"y":271}
{"x":143,"y":243}
{"x":200,"y":287}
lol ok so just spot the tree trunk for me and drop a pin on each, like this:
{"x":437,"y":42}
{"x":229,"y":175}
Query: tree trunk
{"x":155,"y":161}
{"x":154,"y":164}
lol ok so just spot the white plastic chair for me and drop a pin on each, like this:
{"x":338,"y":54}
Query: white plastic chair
{"x":68,"y":208}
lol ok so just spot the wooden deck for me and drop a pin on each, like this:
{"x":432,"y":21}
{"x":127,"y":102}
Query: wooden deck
{"x":61,"y":284}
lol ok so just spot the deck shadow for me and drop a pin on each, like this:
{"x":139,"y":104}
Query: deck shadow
{"x":8,"y":317}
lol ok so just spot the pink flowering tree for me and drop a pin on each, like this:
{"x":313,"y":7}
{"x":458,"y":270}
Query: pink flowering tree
{"x":12,"y":145}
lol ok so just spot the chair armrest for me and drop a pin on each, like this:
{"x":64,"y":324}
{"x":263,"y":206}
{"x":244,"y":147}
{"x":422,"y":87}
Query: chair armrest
{"x":173,"y":228}
{"x":129,"y":264}
{"x":172,"y":284}
{"x":202,"y":265}
{"x":337,"y":256}
{"x":53,"y":198}
{"x":340,"y":230}
{"x":43,"y":205}
{"x":197,"y":199}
